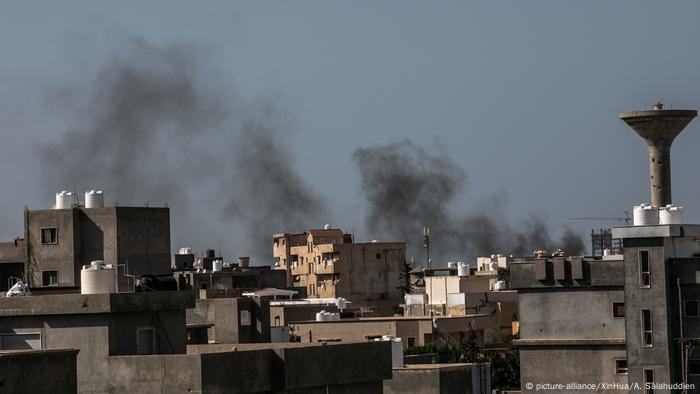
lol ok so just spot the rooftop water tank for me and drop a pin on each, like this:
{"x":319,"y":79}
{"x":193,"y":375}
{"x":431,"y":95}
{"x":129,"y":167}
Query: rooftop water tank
{"x":243,"y":262}
{"x":64,"y":200}
{"x":671,"y":214}
{"x":645,"y":215}
{"x":94,"y":199}
{"x":463,"y":269}
{"x":217,"y":265}
{"x":98,"y":278}
{"x":500,"y":285}
{"x":185,"y":250}
{"x":451,"y":264}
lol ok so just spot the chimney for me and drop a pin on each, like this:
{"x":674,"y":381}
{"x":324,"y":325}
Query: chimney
{"x":659,"y":127}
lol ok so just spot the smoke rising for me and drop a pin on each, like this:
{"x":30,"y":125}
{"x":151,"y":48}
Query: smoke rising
{"x":153,"y":127}
{"x":408,"y":187}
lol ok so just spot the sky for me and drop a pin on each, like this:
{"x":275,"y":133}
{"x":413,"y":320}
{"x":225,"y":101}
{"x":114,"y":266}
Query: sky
{"x":524,"y":96}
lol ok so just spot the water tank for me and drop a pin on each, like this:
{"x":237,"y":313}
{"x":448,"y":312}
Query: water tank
{"x":243,"y":262}
{"x":671,"y":214}
{"x":463,"y":269}
{"x":98,"y":278}
{"x":94,"y":199}
{"x":327,"y":227}
{"x":185,"y":250}
{"x":341,"y":303}
{"x":217,"y":265}
{"x":645,"y":215}
{"x":500,"y":285}
{"x":451,"y":264}
{"x":64,"y":200}
{"x":319,"y":315}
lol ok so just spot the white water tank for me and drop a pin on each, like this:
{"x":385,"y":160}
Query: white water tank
{"x":500,"y":285}
{"x":451,"y":264}
{"x":671,"y":214}
{"x":341,"y":303}
{"x":645,"y":215}
{"x":98,"y":278}
{"x":185,"y":250}
{"x":94,"y":199}
{"x":217,"y":265}
{"x":64,"y":200}
{"x":319,"y":315}
{"x":463,"y":269}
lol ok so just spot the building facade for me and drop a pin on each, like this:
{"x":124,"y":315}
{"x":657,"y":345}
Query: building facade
{"x":329,"y":264}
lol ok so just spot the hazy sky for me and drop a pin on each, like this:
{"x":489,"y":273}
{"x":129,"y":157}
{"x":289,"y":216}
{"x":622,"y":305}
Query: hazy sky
{"x":523,"y":95}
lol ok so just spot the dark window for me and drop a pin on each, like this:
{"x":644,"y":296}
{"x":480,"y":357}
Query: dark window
{"x":379,"y":255}
{"x":692,"y":309}
{"x":49,"y":278}
{"x":648,"y":380}
{"x":411,"y":342}
{"x":621,"y":366}
{"x":49,"y":235}
{"x":647,"y":333}
{"x":693,"y":367}
{"x":618,"y":309}
{"x":146,"y":341}
{"x":644,"y":269}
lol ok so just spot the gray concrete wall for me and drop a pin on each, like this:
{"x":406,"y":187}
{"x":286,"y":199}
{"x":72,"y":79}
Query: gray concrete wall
{"x":659,"y":357}
{"x":440,"y":379}
{"x":143,"y":239}
{"x":50,"y":372}
{"x":584,"y":365}
{"x":577,"y":313}
{"x":226,"y":315}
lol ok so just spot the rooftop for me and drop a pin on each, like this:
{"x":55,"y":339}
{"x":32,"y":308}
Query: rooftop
{"x":656,"y":231}
{"x":62,"y":304}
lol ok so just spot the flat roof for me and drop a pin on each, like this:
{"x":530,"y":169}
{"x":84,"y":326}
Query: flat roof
{"x":394,"y":318}
{"x":656,"y":231}
{"x":62,"y":304}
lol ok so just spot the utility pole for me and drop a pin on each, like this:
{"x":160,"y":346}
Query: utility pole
{"x":426,"y":244}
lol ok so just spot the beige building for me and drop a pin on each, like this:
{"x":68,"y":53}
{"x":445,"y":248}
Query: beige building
{"x":329,"y":264}
{"x":413,"y":330}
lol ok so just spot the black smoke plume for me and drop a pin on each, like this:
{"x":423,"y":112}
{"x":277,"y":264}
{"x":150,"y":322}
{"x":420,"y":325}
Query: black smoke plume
{"x":408,"y":187}
{"x":155,"y":126}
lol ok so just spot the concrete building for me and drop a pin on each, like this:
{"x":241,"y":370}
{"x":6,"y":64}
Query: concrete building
{"x":38,"y":371}
{"x":329,"y":264}
{"x":58,"y":242}
{"x":136,"y":343}
{"x":571,"y":313}
{"x":452,"y":378}
{"x":413,"y":331}
{"x":232,"y":319}
{"x":99,"y":325}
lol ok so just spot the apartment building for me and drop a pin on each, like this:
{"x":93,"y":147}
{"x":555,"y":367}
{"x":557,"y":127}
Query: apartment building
{"x":330,"y":264}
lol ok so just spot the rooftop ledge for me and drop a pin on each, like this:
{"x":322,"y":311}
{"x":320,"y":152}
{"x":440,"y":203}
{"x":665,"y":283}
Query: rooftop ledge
{"x":61,"y":304}
{"x":569,"y":342}
{"x":656,"y":231}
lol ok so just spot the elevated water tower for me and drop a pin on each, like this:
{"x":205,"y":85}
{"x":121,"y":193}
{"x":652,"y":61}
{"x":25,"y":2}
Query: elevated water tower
{"x":659,"y":127}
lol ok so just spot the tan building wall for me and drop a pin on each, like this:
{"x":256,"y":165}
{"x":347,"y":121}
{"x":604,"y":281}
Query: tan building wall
{"x":330,"y":265}
{"x":413,"y":331}
{"x":438,"y":287}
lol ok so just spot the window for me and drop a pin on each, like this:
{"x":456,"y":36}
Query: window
{"x":145,"y":340}
{"x":49,"y":278}
{"x":621,"y":366}
{"x":618,"y":309}
{"x":693,"y":367}
{"x":411,"y":342}
{"x":245,"y":318}
{"x":378,"y":255}
{"x":49,"y":236}
{"x":277,"y":321}
{"x":15,"y":341}
{"x":692,"y":309}
{"x":648,"y":381}
{"x":644,"y":269}
{"x":647,"y":337}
